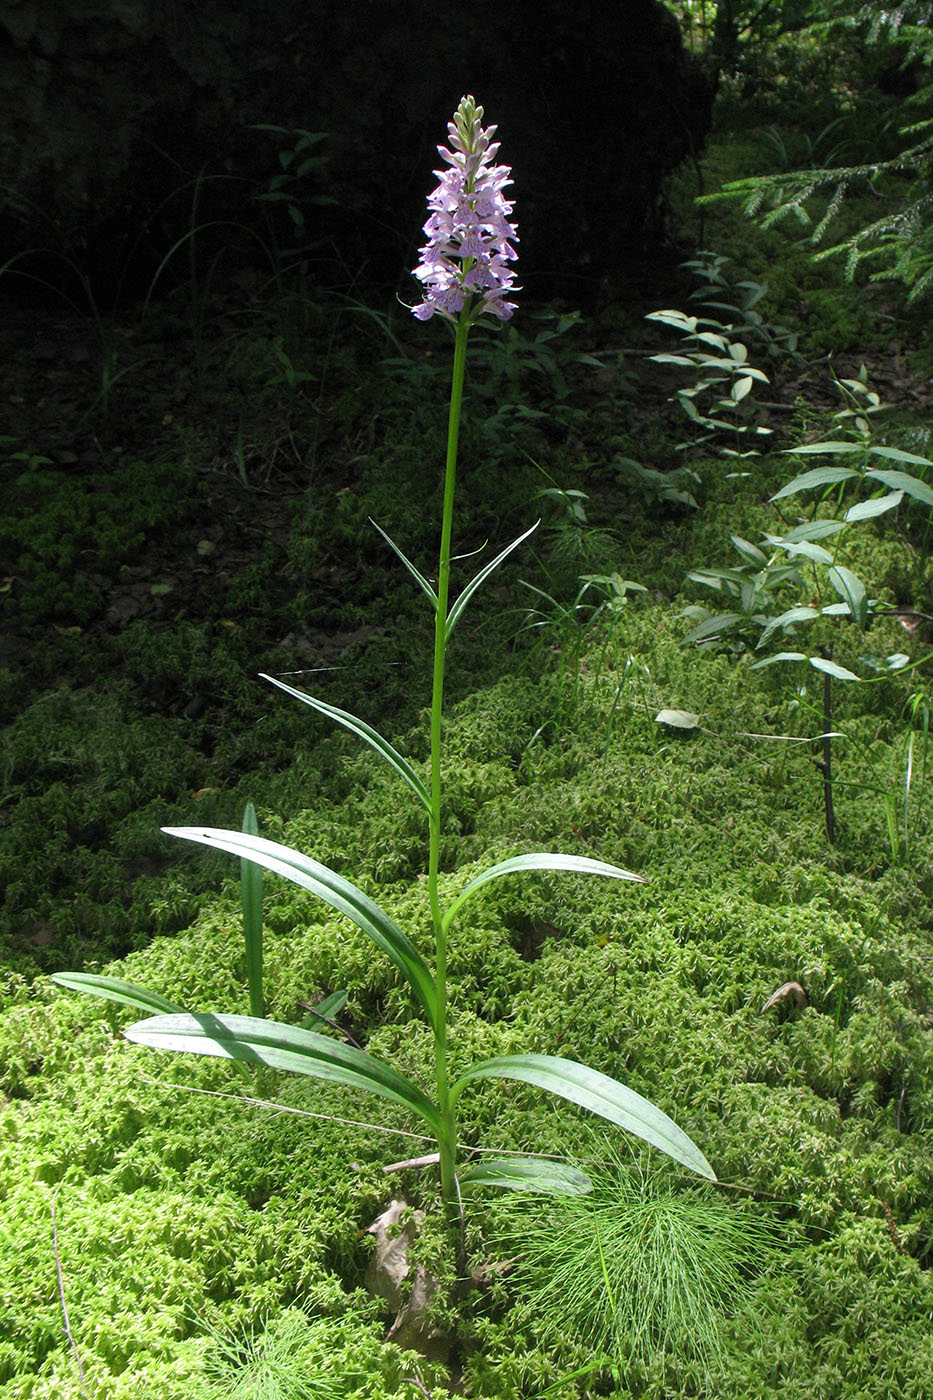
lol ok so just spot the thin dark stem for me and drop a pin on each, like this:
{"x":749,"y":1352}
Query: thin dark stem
{"x":827,"y":764}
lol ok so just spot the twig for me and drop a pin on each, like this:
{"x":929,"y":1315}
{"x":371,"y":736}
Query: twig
{"x":61,"y":1293}
{"x":431,"y":1160}
{"x":285,"y":1108}
{"x":410,"y":1380}
{"x":893,"y":1230}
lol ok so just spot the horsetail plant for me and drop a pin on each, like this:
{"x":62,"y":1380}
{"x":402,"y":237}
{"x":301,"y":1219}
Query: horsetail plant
{"x":465,"y":271}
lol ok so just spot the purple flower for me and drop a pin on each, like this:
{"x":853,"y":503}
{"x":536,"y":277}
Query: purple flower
{"x":464,"y":266}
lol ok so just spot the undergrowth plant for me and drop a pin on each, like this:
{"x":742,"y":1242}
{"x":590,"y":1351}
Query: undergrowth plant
{"x":637,"y":1268}
{"x":799,"y":583}
{"x":717,"y":402}
{"x":568,"y":628}
{"x":720,"y":291}
{"x":465,"y":271}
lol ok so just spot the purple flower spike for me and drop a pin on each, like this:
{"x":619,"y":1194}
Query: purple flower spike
{"x":464,"y":265}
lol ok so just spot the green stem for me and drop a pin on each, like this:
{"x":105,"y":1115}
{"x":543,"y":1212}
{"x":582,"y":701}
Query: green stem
{"x":447,"y":1141}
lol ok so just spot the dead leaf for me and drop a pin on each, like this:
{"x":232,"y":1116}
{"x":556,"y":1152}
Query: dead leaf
{"x":789,"y":989}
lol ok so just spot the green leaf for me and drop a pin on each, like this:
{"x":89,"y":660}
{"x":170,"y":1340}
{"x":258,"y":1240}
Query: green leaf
{"x":251,"y":893}
{"x":749,"y":551}
{"x":712,"y":626}
{"x":678,"y":319}
{"x":671,"y":360}
{"x":363,"y":731}
{"x":809,"y":530}
{"x":677,"y":719}
{"x":539,"y":860}
{"x":416,"y":575}
{"x":779,"y":656}
{"x":816,"y":449}
{"x":597,"y":1093}
{"x":832,"y":668}
{"x":334,"y":890}
{"x":331,"y":1006}
{"x":820,"y":476}
{"x":806,"y":548}
{"x":325,"y":1010}
{"x":114,"y":989}
{"x":894,"y":454}
{"x":903,"y":481}
{"x":851,"y":589}
{"x":534,"y":1174}
{"x":454,"y":615}
{"x":291,"y":1048}
{"x":877,"y":505}
{"x":785,"y":620}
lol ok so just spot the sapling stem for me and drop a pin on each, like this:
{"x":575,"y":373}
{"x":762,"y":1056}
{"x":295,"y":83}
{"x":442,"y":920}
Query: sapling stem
{"x":827,"y":763}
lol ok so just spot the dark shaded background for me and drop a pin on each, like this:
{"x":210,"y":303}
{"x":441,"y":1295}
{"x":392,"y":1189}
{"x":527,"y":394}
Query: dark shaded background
{"x":127,"y":122}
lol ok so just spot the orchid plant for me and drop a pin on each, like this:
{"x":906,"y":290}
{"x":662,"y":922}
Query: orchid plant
{"x":466,"y":270}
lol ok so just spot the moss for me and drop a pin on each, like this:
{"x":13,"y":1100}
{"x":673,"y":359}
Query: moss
{"x":822,"y":1107}
{"x":84,"y":531}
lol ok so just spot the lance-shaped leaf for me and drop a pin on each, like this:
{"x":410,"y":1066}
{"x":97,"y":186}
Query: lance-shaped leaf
{"x":787,"y":619}
{"x":876,"y":505}
{"x":599,"y":1094}
{"x":325,"y":1010}
{"x":749,"y":551}
{"x":897,"y":454}
{"x":852,"y":590}
{"x":453,"y":616}
{"x":539,"y":860}
{"x":832,"y":668}
{"x":115,"y":989}
{"x":712,"y":627}
{"x":820,"y":476}
{"x":818,"y":449}
{"x":809,"y":530}
{"x":903,"y":481}
{"x":415,"y":573}
{"x":256,"y":1041}
{"x":334,"y":890}
{"x":779,"y":656}
{"x":525,"y":1174}
{"x":678,"y":319}
{"x":806,"y":548}
{"x":363,"y":731}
